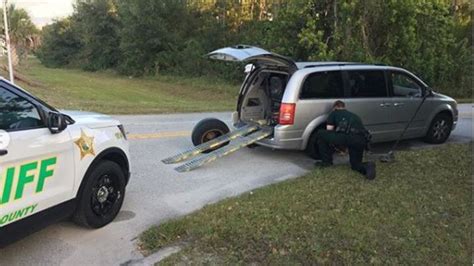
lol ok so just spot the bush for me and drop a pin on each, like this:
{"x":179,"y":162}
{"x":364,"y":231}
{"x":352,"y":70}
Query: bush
{"x":60,"y":44}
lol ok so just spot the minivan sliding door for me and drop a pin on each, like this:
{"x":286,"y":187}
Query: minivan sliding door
{"x":367,"y":95}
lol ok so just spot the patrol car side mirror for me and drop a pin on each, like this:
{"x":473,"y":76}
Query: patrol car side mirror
{"x":56,"y":122}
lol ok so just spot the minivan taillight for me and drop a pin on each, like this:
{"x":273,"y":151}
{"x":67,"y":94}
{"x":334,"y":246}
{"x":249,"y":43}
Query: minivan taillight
{"x":287,"y":114}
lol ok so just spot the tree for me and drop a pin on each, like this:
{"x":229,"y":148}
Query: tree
{"x":61,"y":44}
{"x":23,"y":33}
{"x":97,"y":25}
{"x":88,"y":39}
{"x":153,"y":33}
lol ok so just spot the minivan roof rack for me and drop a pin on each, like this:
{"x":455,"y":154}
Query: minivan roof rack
{"x":322,"y":64}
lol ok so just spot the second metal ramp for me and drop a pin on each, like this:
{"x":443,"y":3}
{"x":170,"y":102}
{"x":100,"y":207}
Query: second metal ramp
{"x":237,"y":144}
{"x":193,"y":152}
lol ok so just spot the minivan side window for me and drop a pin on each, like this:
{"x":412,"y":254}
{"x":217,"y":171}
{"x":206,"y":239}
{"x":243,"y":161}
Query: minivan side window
{"x":323,"y":85}
{"x":405,"y":86}
{"x":16,"y":113}
{"x":367,"y":83}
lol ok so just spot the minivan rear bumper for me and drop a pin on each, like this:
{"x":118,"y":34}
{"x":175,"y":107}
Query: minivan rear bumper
{"x":286,"y":144}
{"x":284,"y":137}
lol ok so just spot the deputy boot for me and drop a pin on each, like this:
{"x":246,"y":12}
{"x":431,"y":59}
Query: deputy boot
{"x":370,"y":170}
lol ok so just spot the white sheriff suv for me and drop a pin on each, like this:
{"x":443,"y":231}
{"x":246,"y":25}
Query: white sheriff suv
{"x":56,"y":165}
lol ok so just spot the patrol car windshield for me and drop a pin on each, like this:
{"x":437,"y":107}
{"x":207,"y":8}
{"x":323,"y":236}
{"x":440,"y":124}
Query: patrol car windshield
{"x":38,"y":100}
{"x":43,"y":103}
{"x":17,"y":113}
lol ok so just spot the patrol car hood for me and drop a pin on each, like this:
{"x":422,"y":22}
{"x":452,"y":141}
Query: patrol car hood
{"x":91,"y":120}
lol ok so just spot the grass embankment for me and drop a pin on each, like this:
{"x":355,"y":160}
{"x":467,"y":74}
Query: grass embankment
{"x":110,"y":93}
{"x":417,"y":211}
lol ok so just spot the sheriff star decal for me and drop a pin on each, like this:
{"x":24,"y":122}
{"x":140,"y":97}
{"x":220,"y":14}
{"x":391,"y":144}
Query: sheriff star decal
{"x":85,"y":144}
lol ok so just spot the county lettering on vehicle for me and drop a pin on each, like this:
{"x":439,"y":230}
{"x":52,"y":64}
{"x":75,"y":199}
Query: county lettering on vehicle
{"x":16,"y":215}
{"x":17,"y":179}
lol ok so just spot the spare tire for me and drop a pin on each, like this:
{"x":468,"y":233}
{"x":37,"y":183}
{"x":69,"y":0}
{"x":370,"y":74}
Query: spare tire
{"x":209,"y":129}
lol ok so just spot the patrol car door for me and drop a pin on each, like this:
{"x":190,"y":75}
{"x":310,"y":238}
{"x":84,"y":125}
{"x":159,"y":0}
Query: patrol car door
{"x":36,"y":167}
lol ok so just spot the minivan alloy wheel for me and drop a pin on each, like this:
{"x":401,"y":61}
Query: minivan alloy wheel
{"x":440,"y":129}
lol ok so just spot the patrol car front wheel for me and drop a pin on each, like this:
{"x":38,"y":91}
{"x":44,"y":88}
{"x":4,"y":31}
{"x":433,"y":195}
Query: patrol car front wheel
{"x":101,"y":196}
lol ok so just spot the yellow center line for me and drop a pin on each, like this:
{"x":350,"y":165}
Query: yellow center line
{"x":159,"y":135}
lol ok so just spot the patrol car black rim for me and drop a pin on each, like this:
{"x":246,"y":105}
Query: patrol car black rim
{"x":210,"y":135}
{"x":440,"y":129}
{"x":105,"y":194}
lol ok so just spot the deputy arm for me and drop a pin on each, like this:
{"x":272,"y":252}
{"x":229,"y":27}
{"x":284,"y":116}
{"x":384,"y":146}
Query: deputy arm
{"x":330,"y":122}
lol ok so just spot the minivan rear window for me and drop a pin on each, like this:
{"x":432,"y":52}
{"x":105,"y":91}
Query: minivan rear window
{"x":323,"y":85}
{"x":367,"y":83}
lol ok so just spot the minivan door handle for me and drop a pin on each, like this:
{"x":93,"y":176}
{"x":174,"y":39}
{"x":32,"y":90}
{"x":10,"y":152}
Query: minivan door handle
{"x":385,"y":104}
{"x":398,"y":104}
{"x":3,"y":152}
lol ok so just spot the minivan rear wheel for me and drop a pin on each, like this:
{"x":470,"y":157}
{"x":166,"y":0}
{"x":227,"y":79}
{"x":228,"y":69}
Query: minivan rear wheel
{"x":440,"y":129}
{"x":312,"y":147}
{"x":209,"y":129}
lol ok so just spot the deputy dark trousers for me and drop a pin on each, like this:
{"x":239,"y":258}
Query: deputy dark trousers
{"x":356,"y":144}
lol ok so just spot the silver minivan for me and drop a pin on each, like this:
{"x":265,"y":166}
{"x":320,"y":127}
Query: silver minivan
{"x":295,"y":98}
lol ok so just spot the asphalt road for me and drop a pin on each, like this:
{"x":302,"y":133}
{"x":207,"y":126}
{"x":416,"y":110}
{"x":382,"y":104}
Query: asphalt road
{"x":157,"y":193}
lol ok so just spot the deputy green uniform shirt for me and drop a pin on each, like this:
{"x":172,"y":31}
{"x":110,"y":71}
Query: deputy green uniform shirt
{"x":337,"y":116}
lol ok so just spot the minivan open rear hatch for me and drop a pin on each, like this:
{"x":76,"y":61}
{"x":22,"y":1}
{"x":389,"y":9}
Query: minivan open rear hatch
{"x":253,"y":129}
{"x":254,"y":55}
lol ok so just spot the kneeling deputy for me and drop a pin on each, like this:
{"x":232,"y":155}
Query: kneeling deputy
{"x":346,"y":129}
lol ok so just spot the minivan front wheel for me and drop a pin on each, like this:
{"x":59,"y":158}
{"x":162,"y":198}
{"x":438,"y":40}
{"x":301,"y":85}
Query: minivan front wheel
{"x":207,"y":130}
{"x":440,"y":129}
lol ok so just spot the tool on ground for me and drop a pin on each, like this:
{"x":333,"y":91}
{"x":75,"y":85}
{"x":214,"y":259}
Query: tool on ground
{"x":237,"y":139}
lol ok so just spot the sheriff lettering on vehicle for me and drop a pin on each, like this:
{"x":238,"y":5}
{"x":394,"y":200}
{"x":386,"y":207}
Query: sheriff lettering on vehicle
{"x":56,"y":165}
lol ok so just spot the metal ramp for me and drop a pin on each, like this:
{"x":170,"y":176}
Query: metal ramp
{"x":238,"y":139}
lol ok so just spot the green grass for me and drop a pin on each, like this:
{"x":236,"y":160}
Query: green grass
{"x":417,"y":211}
{"x":110,"y":93}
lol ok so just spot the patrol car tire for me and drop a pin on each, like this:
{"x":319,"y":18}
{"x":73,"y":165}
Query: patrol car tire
{"x":105,"y":176}
{"x":440,"y":129}
{"x":208,"y":129}
{"x":311,"y":148}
